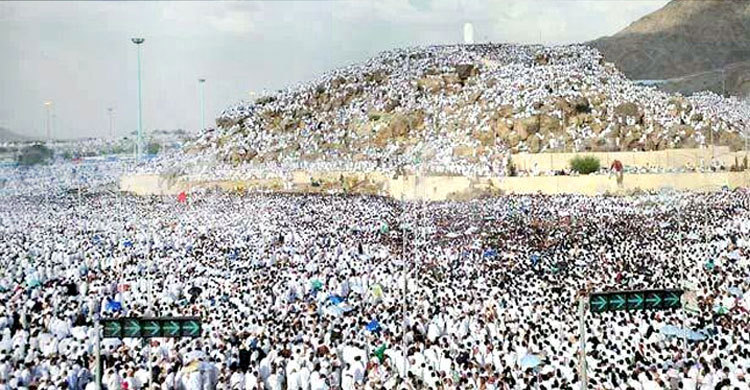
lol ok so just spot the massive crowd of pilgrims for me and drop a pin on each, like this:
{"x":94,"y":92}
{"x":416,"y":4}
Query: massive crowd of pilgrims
{"x":321,"y":292}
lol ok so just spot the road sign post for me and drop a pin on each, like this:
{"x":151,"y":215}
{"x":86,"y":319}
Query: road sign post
{"x":582,"y":331}
{"x":144,"y":328}
{"x":608,"y":301}
{"x":98,"y":362}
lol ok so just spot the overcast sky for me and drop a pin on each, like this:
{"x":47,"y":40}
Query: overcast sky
{"x":79,"y":55}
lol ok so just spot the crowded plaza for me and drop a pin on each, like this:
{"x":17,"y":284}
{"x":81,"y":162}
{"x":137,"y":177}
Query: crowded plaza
{"x":333,"y":291}
{"x":375,"y":195}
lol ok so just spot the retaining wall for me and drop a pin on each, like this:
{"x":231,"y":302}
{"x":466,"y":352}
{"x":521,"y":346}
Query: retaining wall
{"x":438,"y":188}
{"x":670,"y":158}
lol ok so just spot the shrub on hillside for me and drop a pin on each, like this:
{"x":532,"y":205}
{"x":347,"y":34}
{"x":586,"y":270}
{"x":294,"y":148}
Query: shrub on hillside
{"x":584,"y":164}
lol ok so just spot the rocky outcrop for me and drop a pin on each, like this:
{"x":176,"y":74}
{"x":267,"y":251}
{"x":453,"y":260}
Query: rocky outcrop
{"x":627,"y":111}
{"x":463,"y":106}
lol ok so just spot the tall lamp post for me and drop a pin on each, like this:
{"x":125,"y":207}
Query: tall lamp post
{"x":111,"y":131}
{"x":202,"y":97}
{"x":48,"y":106}
{"x":111,"y":124}
{"x":139,"y":138}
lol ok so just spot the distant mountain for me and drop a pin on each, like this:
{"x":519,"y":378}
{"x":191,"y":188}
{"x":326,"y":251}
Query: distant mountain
{"x":7,"y":135}
{"x":686,"y":46}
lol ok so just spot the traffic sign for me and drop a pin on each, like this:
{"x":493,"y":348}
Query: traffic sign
{"x":112,"y":329}
{"x":151,"y":328}
{"x":191,"y":328}
{"x":170,"y":328}
{"x":133,"y":327}
{"x":635,"y":300}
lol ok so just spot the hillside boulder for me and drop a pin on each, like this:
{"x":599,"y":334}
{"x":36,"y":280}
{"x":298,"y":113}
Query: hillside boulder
{"x":526,"y":127}
{"x":629,"y":110}
{"x":464,"y":71}
{"x":505,"y":111}
{"x":534,"y":143}
{"x":502,"y":129}
{"x":398,"y":127}
{"x":731,"y":139}
{"x":430,"y":84}
{"x":486,"y":137}
{"x":581,"y":104}
{"x":541,"y":59}
{"x":462,"y":151}
{"x":549,"y":124}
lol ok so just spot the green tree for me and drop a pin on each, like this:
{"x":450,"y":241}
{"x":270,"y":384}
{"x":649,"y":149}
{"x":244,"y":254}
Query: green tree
{"x":153,"y":148}
{"x":34,"y":154}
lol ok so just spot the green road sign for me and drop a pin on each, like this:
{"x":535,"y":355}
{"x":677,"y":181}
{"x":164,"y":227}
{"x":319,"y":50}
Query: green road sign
{"x":112,"y":329}
{"x":673,"y":299}
{"x":635,"y":300}
{"x":617,"y":301}
{"x":131,"y":328}
{"x":191,"y":328}
{"x":151,"y":327}
{"x":170,"y":328}
{"x":598,"y":303}
{"x":653,"y":299}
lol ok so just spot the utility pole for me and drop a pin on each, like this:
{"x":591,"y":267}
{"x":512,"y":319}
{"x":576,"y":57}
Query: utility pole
{"x":746,"y":131}
{"x":139,"y":139}
{"x":201,"y":83}
{"x":111,"y":124}
{"x":98,"y":369}
{"x":723,"y":94}
{"x":582,"y":330}
{"x":683,"y":276}
{"x":111,"y":131}
{"x":711,"y":132}
{"x":403,"y":271}
{"x":48,"y":106}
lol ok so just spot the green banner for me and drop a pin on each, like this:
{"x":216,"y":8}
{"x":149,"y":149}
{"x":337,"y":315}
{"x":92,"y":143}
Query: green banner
{"x":132,"y":327}
{"x":635,"y":300}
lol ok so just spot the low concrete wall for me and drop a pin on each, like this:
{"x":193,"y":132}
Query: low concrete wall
{"x":670,"y":158}
{"x":437,"y":188}
{"x":160,"y":185}
{"x":450,"y":187}
{"x":598,"y":184}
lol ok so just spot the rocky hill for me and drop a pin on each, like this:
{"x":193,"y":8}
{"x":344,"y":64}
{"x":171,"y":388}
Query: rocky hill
{"x":461,"y":107}
{"x":691,"y":45}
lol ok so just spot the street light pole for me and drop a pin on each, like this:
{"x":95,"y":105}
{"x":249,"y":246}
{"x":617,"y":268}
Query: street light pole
{"x":48,"y":106}
{"x":98,"y":354}
{"x":683,"y":276}
{"x":201,"y":83}
{"x":406,"y":286}
{"x":111,"y":124}
{"x":111,"y":131}
{"x":139,"y":138}
{"x":582,"y":342}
